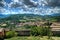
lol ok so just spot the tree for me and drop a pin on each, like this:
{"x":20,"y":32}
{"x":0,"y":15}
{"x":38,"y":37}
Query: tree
{"x":49,"y":34}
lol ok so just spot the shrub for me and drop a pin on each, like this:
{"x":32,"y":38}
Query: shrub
{"x":34,"y":31}
{"x":11,"y":34}
{"x":39,"y":31}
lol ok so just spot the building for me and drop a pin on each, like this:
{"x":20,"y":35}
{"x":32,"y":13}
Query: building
{"x":1,"y":32}
{"x":23,"y":32}
{"x":55,"y":27}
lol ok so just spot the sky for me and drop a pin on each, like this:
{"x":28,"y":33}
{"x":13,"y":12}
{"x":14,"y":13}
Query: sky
{"x":40,"y":7}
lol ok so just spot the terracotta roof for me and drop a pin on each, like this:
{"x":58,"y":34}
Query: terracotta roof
{"x":1,"y":29}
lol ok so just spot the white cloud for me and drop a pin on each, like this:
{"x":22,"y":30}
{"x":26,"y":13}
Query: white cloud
{"x":15,"y":0}
{"x":39,"y":9}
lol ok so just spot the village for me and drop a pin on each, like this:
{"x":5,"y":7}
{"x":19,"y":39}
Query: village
{"x":22,"y":31}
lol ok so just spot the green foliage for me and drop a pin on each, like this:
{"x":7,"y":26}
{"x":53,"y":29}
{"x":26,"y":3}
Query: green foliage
{"x":39,"y":31}
{"x":49,"y":33}
{"x":28,"y":26}
{"x":11,"y":34}
{"x":33,"y":38}
{"x":19,"y":17}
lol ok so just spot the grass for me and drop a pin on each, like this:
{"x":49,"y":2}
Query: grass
{"x":33,"y":38}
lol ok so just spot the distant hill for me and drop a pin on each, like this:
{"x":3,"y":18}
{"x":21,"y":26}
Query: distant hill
{"x":56,"y":14}
{"x":17,"y":17}
{"x":3,"y":15}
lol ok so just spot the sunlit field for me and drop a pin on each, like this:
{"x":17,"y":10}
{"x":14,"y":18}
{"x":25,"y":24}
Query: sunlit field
{"x":33,"y":38}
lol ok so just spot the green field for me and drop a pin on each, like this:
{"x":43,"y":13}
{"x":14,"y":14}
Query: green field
{"x":33,"y":38}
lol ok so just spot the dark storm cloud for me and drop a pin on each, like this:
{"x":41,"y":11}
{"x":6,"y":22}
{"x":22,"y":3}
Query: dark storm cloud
{"x":29,"y":3}
{"x":53,"y":3}
{"x":15,"y":5}
{"x":2,"y":6}
{"x":1,"y":3}
{"x":21,"y":3}
{"x":1,"y":0}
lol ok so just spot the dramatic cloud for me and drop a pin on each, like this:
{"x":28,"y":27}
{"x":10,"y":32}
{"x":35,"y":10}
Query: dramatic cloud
{"x":53,"y":3}
{"x":15,"y":5}
{"x":2,"y":3}
{"x":19,"y":3}
{"x":1,"y":0}
{"x":8,"y":1}
{"x":29,"y":3}
{"x":42,"y":7}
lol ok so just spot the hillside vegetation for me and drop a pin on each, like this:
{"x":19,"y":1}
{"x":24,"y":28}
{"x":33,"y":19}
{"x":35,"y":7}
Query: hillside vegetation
{"x":28,"y":17}
{"x":22,"y":19}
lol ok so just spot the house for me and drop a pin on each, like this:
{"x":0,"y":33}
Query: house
{"x":1,"y":32}
{"x":23,"y":32}
{"x":55,"y":28}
